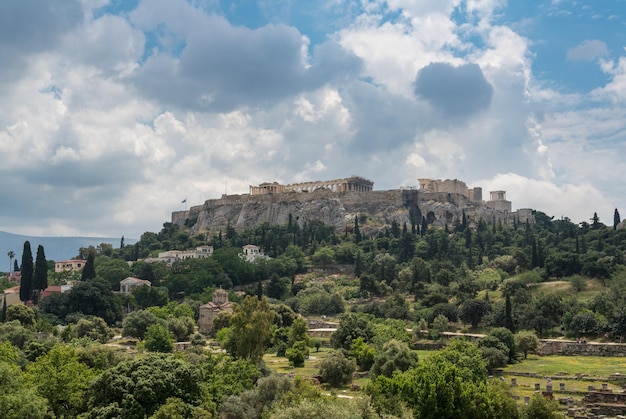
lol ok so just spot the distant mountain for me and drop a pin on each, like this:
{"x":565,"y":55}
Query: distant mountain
{"x":56,"y":248}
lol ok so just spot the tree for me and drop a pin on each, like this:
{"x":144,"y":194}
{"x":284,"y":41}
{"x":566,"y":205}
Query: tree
{"x":89,"y":270}
{"x":26,"y":284}
{"x":616,"y":219}
{"x":93,"y":328}
{"x":278,"y":288}
{"x":540,"y":408}
{"x":505,"y":336}
{"x":25,"y":315}
{"x":363,"y":354}
{"x":110,"y":269}
{"x":336,"y":369}
{"x":351,"y":326}
{"x":181,"y":327}
{"x":18,"y":400}
{"x":395,"y":356}
{"x":449,"y":384}
{"x":40,"y":276}
{"x":137,"y":323}
{"x":136,"y":389}
{"x":472,"y":311}
{"x":94,"y":298}
{"x":158,"y":339}
{"x":298,"y":352}
{"x":3,"y":313}
{"x":251,"y":328}
{"x":62,"y":380}
{"x":508,"y":314}
{"x":11,"y":255}
{"x":526,"y":342}
{"x":147,"y":296}
{"x":324,"y":256}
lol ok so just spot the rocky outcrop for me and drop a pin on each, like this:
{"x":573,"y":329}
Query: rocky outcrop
{"x":381,"y":208}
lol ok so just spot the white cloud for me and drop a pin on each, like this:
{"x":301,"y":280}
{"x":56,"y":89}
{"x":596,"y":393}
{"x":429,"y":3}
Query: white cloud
{"x":589,"y":50}
{"x":114,"y":120}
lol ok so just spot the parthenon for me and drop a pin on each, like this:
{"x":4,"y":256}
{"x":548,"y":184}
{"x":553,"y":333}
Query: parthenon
{"x":350,"y":184}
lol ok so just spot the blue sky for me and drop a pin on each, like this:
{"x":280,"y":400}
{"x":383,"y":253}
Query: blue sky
{"x":113,"y":112}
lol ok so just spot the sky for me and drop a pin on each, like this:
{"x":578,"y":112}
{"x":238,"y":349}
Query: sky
{"x":114,"y":112}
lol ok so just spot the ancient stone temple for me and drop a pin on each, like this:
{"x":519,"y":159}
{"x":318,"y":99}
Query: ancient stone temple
{"x":350,"y":184}
{"x":210,"y":310}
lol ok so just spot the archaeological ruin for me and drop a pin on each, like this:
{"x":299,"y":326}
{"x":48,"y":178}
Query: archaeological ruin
{"x":337,"y":202}
{"x":350,"y":184}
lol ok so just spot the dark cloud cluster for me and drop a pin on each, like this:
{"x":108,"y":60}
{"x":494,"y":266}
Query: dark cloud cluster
{"x":222,"y":67}
{"x":456,"y":92}
{"x":30,"y":26}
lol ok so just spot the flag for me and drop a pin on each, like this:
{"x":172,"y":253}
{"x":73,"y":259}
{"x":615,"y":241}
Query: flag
{"x":184,"y":200}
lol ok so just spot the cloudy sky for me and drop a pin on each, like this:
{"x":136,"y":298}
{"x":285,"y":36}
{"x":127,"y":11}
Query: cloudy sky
{"x":113,"y":112}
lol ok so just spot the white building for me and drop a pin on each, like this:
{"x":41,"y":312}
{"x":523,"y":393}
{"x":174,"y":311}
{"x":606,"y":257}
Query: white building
{"x":172,"y":256}
{"x":127,"y":284}
{"x":251,"y":253}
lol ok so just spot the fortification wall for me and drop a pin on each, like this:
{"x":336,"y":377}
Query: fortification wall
{"x":382,"y":208}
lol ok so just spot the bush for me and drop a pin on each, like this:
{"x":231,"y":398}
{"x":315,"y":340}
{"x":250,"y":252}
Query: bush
{"x":158,"y":339}
{"x":297,"y":353}
{"x":94,"y":328}
{"x":395,"y":356}
{"x":136,"y":323}
{"x":337,"y":370}
{"x":25,"y":315}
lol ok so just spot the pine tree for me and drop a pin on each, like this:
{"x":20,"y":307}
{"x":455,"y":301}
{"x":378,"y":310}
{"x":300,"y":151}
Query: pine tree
{"x":89,"y":270}
{"x":40,"y":277}
{"x":616,"y":219}
{"x":26,"y":285}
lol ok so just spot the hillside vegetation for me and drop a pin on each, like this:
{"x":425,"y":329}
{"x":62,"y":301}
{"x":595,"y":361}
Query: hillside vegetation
{"x":406,"y":285}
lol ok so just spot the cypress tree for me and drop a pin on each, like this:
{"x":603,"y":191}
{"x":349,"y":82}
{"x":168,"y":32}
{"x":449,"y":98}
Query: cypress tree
{"x":16,"y":266}
{"x":357,"y":265}
{"x":424,"y":226}
{"x":40,"y":277}
{"x":534,"y":257}
{"x":616,"y":219}
{"x":3,"y":314}
{"x":89,"y":270}
{"x":508,"y":316}
{"x":26,"y":286}
{"x":357,"y":231}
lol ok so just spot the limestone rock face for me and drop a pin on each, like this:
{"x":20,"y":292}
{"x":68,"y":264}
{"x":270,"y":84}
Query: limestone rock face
{"x":381,"y":208}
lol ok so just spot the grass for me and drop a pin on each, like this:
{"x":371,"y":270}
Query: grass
{"x":280,"y":365}
{"x":555,"y":365}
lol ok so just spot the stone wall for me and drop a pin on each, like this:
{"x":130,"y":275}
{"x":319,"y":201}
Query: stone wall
{"x":556,"y":347}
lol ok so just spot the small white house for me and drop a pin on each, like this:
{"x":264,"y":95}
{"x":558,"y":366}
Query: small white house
{"x":127,"y":284}
{"x":251,"y":253}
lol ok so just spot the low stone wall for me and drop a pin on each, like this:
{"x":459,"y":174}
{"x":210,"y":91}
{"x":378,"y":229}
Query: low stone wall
{"x":559,"y":347}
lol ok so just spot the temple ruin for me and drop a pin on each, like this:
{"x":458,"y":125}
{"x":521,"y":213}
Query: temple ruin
{"x":497,"y":199}
{"x":350,"y":184}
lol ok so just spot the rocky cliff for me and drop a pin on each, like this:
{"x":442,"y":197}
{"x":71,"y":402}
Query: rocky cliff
{"x":340,"y":209}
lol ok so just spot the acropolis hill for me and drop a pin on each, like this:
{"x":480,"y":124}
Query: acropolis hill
{"x":337,"y":202}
